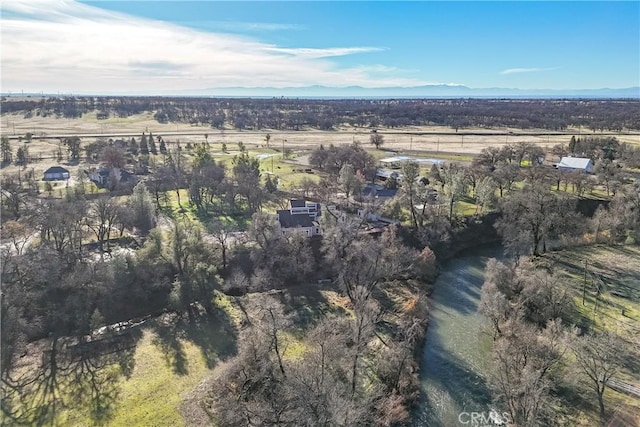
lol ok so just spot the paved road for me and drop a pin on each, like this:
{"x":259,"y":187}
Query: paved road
{"x":214,"y":132}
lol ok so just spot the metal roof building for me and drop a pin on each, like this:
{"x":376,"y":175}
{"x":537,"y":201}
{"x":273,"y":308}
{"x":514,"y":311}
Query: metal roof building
{"x":576,"y":163}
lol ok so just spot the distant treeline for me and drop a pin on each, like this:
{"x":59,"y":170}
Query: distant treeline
{"x":296,"y":114}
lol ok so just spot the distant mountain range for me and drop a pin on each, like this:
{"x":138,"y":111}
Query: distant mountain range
{"x":427,"y":91}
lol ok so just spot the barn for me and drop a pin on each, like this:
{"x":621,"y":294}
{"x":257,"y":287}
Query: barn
{"x":575,"y":163}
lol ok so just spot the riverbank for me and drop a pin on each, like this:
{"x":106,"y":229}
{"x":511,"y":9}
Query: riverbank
{"x":458,"y":349}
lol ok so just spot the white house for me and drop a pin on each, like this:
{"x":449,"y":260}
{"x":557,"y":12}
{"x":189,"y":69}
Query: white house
{"x":395,"y":161}
{"x":56,"y":173}
{"x":575,"y":163}
{"x":301,"y":217}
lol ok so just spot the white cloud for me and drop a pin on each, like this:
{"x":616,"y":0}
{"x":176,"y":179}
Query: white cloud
{"x":62,"y":45}
{"x":252,"y":26}
{"x":526,"y":70}
{"x":324,"y":52}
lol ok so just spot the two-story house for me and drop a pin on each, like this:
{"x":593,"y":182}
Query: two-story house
{"x":301,"y":217}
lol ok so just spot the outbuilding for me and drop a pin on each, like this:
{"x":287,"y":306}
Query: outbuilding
{"x":56,"y":173}
{"x":575,"y":163}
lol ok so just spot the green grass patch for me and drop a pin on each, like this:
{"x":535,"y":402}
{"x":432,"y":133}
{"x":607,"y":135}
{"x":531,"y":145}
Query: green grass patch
{"x":615,"y":270}
{"x":609,"y":286}
{"x":294,"y":348}
{"x":464,"y":208}
{"x":152,"y":395}
{"x":169,"y":360}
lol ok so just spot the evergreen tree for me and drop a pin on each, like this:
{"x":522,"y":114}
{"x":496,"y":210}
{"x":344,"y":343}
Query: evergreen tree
{"x":133,"y":146}
{"x":271,"y":184}
{"x":21,"y":156}
{"x":144,"y":148}
{"x":153,"y":149}
{"x":5,"y":149}
{"x":142,"y":208}
{"x":163,"y":147}
{"x":434,"y":174}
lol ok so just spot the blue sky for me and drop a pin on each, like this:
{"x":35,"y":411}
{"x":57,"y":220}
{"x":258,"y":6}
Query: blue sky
{"x":171,"y":46}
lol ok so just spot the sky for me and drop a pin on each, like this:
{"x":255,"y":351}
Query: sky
{"x":171,"y":47}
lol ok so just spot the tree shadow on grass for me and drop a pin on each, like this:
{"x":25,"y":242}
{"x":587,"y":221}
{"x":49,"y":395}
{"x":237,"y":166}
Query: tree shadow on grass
{"x":306,"y":304}
{"x":70,"y":374}
{"x":213,"y":334}
{"x":169,"y":341}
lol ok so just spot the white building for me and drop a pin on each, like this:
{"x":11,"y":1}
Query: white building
{"x":301,"y":217}
{"x":575,"y":163}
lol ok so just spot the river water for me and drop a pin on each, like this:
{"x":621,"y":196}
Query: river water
{"x":457,"y":351}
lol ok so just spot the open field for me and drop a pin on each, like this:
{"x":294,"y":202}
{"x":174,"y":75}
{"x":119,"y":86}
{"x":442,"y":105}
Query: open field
{"x":429,"y":138}
{"x":437,"y":141}
{"x":616,"y":270}
{"x":434,"y":141}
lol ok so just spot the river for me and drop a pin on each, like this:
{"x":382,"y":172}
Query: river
{"x":457,"y":350}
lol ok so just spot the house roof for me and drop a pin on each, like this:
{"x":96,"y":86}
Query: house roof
{"x":379,"y":191}
{"x":386,"y":173}
{"x":395,"y":159}
{"x":574,"y":162}
{"x":291,"y":221}
{"x":56,"y":169}
{"x":297,"y":203}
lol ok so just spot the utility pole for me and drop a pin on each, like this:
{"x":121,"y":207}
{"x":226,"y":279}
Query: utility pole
{"x":411,"y":144}
{"x":438,"y":146}
{"x":462,"y":143}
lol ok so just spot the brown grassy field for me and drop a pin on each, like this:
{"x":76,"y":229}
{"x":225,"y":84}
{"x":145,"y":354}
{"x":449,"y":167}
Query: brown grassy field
{"x":429,"y":138}
{"x":433,"y":141}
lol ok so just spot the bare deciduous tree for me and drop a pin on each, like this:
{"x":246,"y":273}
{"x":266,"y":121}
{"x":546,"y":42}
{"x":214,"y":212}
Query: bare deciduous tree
{"x":598,"y":357}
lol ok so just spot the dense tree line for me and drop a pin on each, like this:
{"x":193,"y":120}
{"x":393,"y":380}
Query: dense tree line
{"x":356,"y":370}
{"x":296,"y":114}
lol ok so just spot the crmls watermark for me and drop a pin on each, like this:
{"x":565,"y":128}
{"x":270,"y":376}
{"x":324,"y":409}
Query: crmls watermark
{"x":484,"y":419}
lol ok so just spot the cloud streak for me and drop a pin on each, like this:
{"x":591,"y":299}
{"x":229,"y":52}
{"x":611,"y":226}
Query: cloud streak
{"x":526,"y":70}
{"x":62,"y":45}
{"x":324,"y":52}
{"x":255,"y":26}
